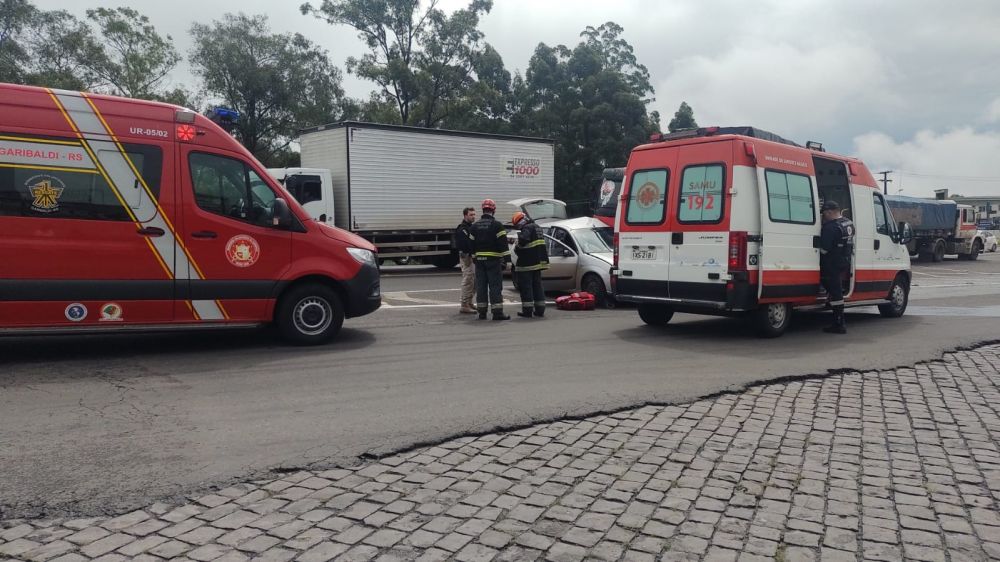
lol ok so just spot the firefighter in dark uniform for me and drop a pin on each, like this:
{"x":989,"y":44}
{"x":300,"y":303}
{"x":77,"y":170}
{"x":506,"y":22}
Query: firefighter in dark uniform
{"x":489,"y":242}
{"x":836,"y":250}
{"x":531,"y":260}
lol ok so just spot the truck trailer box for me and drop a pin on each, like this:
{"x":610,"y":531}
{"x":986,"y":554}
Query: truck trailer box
{"x":392,"y":178}
{"x":923,"y":214}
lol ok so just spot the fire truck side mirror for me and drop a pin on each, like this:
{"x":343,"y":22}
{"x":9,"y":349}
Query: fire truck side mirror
{"x":282,"y":214}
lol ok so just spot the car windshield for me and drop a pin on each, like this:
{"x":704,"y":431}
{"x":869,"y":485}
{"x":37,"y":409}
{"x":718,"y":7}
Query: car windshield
{"x":594,"y":240}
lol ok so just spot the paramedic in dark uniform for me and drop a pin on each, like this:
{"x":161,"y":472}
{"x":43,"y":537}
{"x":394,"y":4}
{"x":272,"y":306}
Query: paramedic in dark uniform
{"x":531,"y":260}
{"x":836,"y":249}
{"x":489,"y":242}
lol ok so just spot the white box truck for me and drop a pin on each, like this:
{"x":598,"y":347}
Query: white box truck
{"x":404,"y":188}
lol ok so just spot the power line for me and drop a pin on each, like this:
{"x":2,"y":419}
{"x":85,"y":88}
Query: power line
{"x":946,"y":177}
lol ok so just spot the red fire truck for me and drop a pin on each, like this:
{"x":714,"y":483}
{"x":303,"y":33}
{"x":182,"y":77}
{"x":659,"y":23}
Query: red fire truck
{"x":120,"y":214}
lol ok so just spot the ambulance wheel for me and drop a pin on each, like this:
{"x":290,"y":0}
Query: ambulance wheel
{"x":592,"y":284}
{"x":655,"y":314}
{"x":899,"y":297}
{"x":309,"y":314}
{"x":772,"y":319}
{"x":446,"y":261}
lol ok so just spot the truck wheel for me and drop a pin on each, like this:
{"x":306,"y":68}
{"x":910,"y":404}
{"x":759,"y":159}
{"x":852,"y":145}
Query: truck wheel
{"x":899,"y":297}
{"x":595,"y":286}
{"x":309,"y":314}
{"x":772,"y":319}
{"x":977,"y":248}
{"x":938,"y":253}
{"x":655,"y":314}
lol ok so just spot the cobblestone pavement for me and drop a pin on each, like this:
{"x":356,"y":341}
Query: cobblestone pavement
{"x":891,"y":465}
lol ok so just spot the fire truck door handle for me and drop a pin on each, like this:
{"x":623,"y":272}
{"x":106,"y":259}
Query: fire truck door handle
{"x":150,"y":231}
{"x":204,"y":234}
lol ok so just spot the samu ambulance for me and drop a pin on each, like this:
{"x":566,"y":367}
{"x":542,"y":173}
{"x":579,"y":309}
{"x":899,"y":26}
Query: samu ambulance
{"x":119,"y":214}
{"x":725,"y":221}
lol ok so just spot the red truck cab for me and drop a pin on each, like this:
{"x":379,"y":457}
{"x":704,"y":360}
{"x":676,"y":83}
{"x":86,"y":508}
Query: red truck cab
{"x":120,"y":214}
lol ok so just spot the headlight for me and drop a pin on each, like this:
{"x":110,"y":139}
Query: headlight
{"x":363,"y":256}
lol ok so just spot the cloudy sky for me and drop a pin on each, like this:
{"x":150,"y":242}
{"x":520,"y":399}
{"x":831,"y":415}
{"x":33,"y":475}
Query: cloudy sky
{"x":911,"y":86}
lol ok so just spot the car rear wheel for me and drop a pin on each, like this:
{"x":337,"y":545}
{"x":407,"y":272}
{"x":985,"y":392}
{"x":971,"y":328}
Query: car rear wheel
{"x":899,"y":297}
{"x":772,"y":319}
{"x":309,"y":314}
{"x":595,"y":286}
{"x":993,"y":248}
{"x":655,"y":314}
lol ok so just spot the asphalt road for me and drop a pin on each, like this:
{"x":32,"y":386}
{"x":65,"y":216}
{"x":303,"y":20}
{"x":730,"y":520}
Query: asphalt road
{"x":104,"y":424}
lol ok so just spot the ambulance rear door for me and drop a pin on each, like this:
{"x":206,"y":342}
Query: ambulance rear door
{"x":698,"y":257}
{"x":644,"y":228}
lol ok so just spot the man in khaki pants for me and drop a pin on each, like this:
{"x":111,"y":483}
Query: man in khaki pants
{"x":463,"y":241}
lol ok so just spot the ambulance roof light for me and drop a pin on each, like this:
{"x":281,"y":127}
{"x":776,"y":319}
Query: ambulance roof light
{"x":813,"y":145}
{"x":184,"y":116}
{"x":223,"y":117}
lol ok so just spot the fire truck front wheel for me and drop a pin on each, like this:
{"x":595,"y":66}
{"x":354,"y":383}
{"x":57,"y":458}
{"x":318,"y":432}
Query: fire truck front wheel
{"x":309,"y":314}
{"x":655,"y":314}
{"x":772,"y":319}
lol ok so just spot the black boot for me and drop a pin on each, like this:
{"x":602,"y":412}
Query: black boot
{"x":499,"y":315}
{"x":539,"y":312}
{"x":525,"y":313}
{"x":482,"y":312}
{"x":839,"y":325}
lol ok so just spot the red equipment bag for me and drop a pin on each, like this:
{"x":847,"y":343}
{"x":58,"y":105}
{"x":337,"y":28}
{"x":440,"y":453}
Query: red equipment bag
{"x":576,"y":301}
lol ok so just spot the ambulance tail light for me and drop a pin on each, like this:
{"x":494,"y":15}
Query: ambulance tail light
{"x":737,"y":251}
{"x":749,"y":150}
{"x":614,"y":251}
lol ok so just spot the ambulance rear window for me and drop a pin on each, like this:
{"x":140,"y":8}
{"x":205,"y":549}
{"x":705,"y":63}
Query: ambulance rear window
{"x":646,"y":197}
{"x":702,"y":198}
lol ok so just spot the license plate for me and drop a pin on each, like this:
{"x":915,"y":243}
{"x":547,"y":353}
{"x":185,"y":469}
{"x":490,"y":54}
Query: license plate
{"x":643,"y":253}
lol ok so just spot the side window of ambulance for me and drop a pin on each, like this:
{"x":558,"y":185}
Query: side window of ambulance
{"x":57,"y":179}
{"x":228,"y":187}
{"x":790,"y":198}
{"x":647,"y":197}
{"x":881,"y":221}
{"x":701,"y":199}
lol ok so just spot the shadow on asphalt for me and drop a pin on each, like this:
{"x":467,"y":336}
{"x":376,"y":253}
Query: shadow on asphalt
{"x":710,"y":330}
{"x":256,"y":342}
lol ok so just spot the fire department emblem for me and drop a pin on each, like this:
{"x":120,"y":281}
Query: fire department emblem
{"x":242,"y":250}
{"x":76,"y":312}
{"x":111,"y":312}
{"x":46,"y":191}
{"x":648,"y":195}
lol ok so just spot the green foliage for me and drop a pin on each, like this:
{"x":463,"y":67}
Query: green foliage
{"x":277,"y":82}
{"x":135,"y":58}
{"x":592,"y":100}
{"x":15,"y":17}
{"x":683,"y":119}
{"x":422,"y":61}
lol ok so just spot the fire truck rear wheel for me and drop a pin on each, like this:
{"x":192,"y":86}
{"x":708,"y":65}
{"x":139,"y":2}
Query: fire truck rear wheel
{"x":655,"y":314}
{"x":772,"y":319}
{"x":309,"y":314}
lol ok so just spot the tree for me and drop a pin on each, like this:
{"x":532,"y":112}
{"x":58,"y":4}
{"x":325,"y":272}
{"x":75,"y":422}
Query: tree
{"x":278,"y":83}
{"x":65,"y":52}
{"x":136,"y":59}
{"x":683,"y":119}
{"x":592,"y":100}
{"x":15,"y":17}
{"x":422,"y":61}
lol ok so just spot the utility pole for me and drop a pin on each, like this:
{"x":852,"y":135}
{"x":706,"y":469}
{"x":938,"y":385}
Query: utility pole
{"x":885,"y":181}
